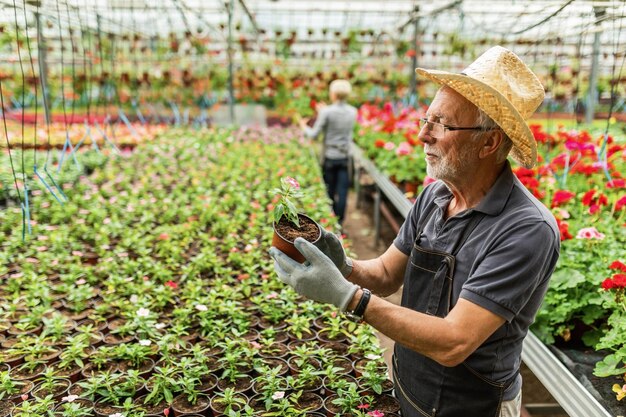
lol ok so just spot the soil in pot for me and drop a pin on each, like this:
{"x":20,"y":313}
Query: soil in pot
{"x":276,"y":362}
{"x":24,"y":371}
{"x":182,"y":407}
{"x":60,"y":388}
{"x":5,"y":408}
{"x":105,"y":410}
{"x":151,"y":409}
{"x":285,"y":232}
{"x":275,"y":350}
{"x":310,"y":401}
{"x":144,"y":369}
{"x":386,"y":403}
{"x":218,"y":406}
{"x":242,"y":384}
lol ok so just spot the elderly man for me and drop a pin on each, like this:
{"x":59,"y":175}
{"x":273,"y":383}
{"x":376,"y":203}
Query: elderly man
{"x":475,"y":253}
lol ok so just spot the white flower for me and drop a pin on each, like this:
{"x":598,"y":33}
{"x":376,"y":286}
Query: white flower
{"x":372,"y":357}
{"x":134,"y":298}
{"x":143,"y":312}
{"x":69,"y":398}
{"x":81,"y":281}
{"x":159,"y":326}
{"x":116,"y":415}
{"x":278,"y":395}
{"x":201,"y":307}
{"x":145,"y":342}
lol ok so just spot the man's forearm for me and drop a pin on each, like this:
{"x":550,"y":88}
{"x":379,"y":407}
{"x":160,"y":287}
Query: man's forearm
{"x":373,"y":275}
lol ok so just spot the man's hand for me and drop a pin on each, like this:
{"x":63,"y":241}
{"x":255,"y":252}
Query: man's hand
{"x":318,"y":278}
{"x":331,"y":246}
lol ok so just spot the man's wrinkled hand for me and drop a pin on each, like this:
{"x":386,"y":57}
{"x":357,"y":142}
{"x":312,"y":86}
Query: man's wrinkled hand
{"x":317,"y":278}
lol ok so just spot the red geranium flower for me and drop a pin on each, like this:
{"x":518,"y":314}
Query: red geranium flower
{"x":616,"y":183}
{"x":171,"y":284}
{"x":607,"y":284}
{"x":618,"y":265}
{"x":564,"y":230}
{"x":561,"y":197}
{"x":619,"y":280}
{"x":620,"y":204}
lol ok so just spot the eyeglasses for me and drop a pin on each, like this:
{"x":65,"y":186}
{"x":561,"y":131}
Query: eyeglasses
{"x":437,"y":130}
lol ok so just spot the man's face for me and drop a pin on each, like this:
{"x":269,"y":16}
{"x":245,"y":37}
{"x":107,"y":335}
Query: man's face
{"x":453,"y":156}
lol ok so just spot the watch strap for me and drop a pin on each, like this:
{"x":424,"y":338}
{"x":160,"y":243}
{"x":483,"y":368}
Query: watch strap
{"x":359,"y":310}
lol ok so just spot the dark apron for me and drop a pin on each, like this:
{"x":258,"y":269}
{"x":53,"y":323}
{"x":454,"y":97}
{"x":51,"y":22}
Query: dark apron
{"x":424,"y":387}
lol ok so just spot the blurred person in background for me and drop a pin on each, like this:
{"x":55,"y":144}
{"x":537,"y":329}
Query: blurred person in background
{"x":336,"y":123}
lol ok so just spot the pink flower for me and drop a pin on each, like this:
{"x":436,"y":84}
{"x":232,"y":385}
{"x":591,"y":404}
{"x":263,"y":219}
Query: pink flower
{"x":404,"y":149}
{"x":376,"y":413}
{"x":171,"y":284}
{"x":292,"y":182}
{"x":428,"y":180}
{"x":271,"y":295}
{"x":363,"y":406}
{"x":589,"y":233}
{"x":389,"y":146}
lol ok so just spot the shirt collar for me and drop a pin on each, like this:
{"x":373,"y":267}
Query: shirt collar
{"x":493,"y":202}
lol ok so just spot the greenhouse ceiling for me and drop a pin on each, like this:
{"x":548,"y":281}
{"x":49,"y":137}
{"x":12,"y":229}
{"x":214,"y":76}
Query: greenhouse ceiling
{"x":545,"y":30}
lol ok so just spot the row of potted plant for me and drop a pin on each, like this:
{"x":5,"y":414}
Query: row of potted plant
{"x":151,"y":288}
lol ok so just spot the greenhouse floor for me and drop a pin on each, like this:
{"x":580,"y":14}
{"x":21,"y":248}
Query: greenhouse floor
{"x":359,"y":228}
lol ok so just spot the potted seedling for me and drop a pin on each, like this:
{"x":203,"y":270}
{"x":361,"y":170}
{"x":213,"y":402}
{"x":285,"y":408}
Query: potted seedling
{"x":288,"y":223}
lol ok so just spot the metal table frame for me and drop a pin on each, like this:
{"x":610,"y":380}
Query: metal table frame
{"x":556,"y":378}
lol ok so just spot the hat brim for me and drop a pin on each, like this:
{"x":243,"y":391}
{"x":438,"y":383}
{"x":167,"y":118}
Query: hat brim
{"x":496,"y":106}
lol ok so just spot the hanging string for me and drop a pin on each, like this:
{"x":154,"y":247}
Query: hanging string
{"x":71,"y":32}
{"x":23,"y":103}
{"x":62,"y":67}
{"x":32,"y":69}
{"x":6,"y":135}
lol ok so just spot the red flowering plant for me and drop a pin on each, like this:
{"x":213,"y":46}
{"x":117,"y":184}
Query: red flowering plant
{"x":614,"y":340}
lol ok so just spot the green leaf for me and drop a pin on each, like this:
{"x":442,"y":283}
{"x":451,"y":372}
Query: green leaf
{"x":279,"y":210}
{"x":609,"y":367}
{"x":567,"y":278}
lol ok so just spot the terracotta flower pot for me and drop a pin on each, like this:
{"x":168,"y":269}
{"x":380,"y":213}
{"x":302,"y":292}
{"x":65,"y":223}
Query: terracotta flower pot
{"x":284,"y":235}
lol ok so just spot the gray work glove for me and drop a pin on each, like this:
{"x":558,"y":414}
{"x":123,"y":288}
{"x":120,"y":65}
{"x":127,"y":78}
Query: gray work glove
{"x":331,"y":246}
{"x":317,"y":278}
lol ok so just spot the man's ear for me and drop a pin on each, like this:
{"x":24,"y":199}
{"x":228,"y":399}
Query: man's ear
{"x":491,"y":142}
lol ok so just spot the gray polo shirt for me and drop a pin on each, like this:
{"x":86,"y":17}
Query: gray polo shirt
{"x":336,"y":122}
{"x":503,"y":267}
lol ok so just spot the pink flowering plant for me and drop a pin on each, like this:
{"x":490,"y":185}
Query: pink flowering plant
{"x":288,"y":192}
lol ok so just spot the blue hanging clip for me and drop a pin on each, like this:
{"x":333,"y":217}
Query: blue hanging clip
{"x":45,"y":168}
{"x":26,"y":214}
{"x":139,"y":115}
{"x":129,"y":125}
{"x":43,"y":181}
{"x":176,"y":113}
{"x":67,"y":145}
{"x":106,"y":138}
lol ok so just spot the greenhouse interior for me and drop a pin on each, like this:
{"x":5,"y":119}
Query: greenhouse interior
{"x":260,"y":208}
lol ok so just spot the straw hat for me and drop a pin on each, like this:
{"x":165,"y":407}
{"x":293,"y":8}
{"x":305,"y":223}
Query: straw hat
{"x":502,"y":86}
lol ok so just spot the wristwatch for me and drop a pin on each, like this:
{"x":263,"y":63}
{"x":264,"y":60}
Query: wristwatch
{"x":359,"y":310}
